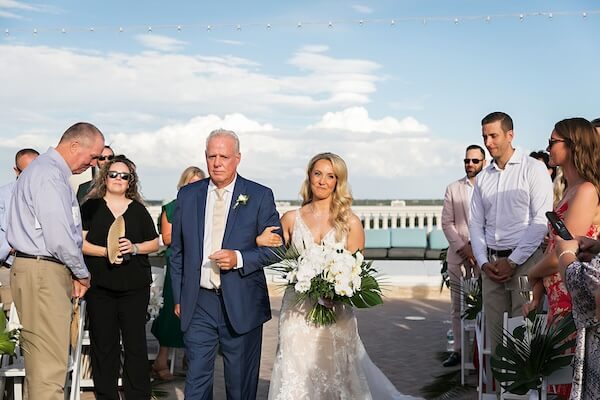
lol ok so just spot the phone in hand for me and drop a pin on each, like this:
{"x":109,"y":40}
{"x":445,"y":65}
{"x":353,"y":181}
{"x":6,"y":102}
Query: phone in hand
{"x":559,"y":225}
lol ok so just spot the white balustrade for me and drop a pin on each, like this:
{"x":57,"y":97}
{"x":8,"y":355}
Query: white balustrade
{"x":374,"y":215}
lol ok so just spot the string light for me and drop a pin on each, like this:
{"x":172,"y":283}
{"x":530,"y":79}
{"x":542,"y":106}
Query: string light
{"x":301,"y":24}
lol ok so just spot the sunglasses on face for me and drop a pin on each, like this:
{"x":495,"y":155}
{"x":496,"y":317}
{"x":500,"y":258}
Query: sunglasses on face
{"x":551,"y":142}
{"x":472,"y":160}
{"x":105,"y":158}
{"x":123,"y":175}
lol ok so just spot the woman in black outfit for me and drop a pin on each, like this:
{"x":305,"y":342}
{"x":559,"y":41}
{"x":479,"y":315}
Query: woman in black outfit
{"x":119,"y":294}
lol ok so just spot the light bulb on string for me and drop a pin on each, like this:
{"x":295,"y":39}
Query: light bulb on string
{"x":150,"y":29}
{"x":393,"y":22}
{"x":299,"y":25}
{"x":178,"y":28}
{"x":92,"y":29}
{"x":120,"y":29}
{"x":63,"y":30}
{"x":35,"y":31}
{"x":330,"y":24}
{"x":456,"y":21}
{"x":584,"y":14}
{"x":6,"y":32}
{"x":521,"y":17}
{"x":550,"y":16}
{"x":488,"y":18}
{"x":208,"y":28}
{"x":268,"y":26}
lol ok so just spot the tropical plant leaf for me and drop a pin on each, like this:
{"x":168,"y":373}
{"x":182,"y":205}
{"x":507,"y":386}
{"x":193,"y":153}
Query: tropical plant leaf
{"x":532,"y":351}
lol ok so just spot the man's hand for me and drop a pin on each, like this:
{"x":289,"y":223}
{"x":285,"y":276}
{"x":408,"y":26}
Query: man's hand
{"x":466,"y":252}
{"x":489,"y":268}
{"x":225,"y":259}
{"x":80,"y":286}
{"x":505,"y":271}
{"x":177,"y":310}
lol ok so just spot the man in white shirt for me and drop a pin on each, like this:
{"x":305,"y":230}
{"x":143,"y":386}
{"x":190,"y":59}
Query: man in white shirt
{"x":508,"y":221}
{"x":455,"y":224}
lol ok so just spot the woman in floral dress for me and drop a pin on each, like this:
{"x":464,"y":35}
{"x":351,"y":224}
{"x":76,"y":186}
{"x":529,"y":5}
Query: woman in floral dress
{"x":574,"y":145}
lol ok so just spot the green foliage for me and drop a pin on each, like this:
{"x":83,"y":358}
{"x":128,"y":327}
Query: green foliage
{"x":471,"y":292}
{"x":8,"y":339}
{"x":533,"y":351}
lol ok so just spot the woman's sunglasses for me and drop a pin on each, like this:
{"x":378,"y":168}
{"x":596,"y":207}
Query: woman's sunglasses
{"x":123,"y":175}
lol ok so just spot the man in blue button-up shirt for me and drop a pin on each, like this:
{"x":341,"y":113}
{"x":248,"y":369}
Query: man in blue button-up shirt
{"x":22,"y":159}
{"x":44,"y":228}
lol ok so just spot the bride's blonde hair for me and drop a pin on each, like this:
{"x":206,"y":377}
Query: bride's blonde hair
{"x":341,"y":197}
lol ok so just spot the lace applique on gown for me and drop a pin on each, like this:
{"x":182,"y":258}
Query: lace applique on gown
{"x":323,"y":362}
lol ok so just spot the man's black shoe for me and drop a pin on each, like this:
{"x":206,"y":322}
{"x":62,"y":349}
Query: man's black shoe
{"x":453,"y":360}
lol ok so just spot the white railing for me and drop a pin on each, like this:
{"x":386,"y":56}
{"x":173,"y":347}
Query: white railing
{"x":378,"y":217}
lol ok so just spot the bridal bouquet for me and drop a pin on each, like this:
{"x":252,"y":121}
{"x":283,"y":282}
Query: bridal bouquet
{"x":329,"y":273}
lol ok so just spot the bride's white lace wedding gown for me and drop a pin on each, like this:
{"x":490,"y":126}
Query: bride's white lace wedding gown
{"x":323,"y":363}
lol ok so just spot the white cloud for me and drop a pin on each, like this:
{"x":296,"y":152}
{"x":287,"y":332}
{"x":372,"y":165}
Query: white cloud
{"x":362,"y":9}
{"x":230,"y":42}
{"x":17,"y":5}
{"x":174,"y":145}
{"x":160,"y":42}
{"x":7,"y":14}
{"x":171,"y":87}
{"x":356,"y":119}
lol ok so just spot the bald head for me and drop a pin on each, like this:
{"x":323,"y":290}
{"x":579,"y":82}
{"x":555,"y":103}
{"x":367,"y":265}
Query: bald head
{"x":80,"y":146}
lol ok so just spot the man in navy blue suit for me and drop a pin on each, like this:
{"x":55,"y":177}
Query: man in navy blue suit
{"x":219,"y":286}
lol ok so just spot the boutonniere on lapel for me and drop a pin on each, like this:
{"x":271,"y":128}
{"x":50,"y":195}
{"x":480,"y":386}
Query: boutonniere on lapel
{"x":241,"y":200}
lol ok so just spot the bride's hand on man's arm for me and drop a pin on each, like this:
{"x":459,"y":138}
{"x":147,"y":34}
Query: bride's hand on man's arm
{"x":268,"y":238}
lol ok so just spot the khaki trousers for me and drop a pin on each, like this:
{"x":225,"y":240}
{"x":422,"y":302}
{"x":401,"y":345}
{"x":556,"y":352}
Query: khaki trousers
{"x":42,"y":294}
{"x":499,"y":298}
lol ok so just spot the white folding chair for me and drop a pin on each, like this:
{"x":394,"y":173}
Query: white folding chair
{"x":509,"y":324}
{"x":13,"y":366}
{"x":74,"y":373}
{"x":468,"y":328}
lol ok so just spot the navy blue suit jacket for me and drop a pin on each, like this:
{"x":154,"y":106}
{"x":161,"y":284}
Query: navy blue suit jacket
{"x":244,"y":290}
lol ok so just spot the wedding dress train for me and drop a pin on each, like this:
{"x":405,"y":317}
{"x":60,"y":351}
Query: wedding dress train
{"x":323,"y":362}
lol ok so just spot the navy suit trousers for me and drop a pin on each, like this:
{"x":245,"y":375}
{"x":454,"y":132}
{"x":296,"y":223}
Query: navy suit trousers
{"x":210,"y":328}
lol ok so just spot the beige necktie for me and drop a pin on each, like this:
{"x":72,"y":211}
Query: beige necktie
{"x":218,"y":229}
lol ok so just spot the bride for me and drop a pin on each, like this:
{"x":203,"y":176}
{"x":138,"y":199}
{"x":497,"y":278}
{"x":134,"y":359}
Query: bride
{"x":323,"y":362}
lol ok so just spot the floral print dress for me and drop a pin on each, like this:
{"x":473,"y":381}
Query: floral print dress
{"x":559,"y":299}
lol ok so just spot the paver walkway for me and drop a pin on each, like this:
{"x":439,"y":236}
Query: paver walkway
{"x":402,"y":337}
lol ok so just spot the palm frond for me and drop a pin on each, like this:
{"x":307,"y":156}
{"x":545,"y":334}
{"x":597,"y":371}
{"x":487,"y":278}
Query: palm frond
{"x":533,"y":351}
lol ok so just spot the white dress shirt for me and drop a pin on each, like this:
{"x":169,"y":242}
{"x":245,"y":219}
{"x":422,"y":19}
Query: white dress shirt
{"x":508,"y":208}
{"x":211,"y":197}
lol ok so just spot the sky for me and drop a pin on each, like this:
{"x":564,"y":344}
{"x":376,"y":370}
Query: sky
{"x":395,"y":87}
